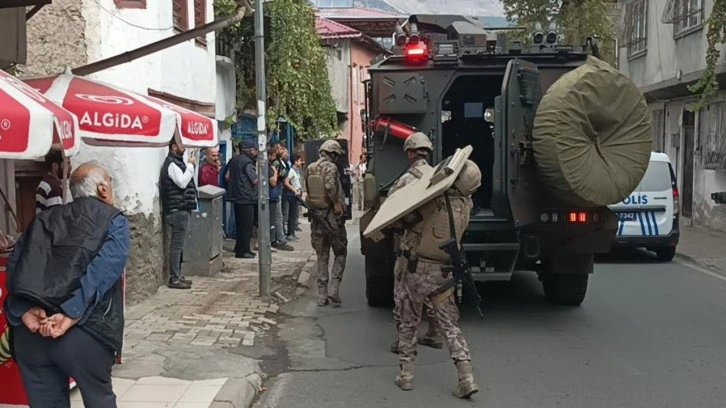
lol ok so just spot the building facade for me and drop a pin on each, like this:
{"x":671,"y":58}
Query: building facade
{"x":71,"y":33}
{"x":349,"y":53}
{"x":662,"y":48}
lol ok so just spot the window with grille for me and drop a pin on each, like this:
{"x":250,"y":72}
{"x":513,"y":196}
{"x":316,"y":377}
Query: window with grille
{"x":200,"y":18}
{"x":180,"y":14}
{"x":138,"y":4}
{"x":638,"y":16}
{"x":688,"y":16}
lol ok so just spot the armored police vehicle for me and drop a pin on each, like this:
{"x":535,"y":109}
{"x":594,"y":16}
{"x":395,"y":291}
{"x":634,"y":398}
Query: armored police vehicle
{"x":461,"y":84}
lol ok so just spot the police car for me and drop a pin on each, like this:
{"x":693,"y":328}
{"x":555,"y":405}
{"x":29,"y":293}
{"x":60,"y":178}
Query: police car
{"x":649,"y":216}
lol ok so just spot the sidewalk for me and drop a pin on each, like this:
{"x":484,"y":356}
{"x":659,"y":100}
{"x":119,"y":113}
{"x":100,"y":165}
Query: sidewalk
{"x":704,"y":247}
{"x":199,"y":348}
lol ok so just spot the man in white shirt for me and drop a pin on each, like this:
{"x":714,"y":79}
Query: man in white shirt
{"x":178,"y":200}
{"x":360,"y":170}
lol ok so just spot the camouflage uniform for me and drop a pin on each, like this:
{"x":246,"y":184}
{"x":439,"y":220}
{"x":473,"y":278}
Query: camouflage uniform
{"x":417,"y":285}
{"x":414,"y":290}
{"x":432,"y":337}
{"x":327,"y":230}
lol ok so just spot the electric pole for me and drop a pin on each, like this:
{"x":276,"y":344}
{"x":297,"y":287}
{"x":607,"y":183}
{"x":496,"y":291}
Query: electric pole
{"x":263,"y":219}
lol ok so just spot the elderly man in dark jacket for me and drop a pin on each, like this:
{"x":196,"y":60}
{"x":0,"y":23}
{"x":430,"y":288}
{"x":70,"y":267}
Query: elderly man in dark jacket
{"x":65,"y":300}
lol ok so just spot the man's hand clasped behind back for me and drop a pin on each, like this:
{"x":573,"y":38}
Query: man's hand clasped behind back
{"x":53,"y":326}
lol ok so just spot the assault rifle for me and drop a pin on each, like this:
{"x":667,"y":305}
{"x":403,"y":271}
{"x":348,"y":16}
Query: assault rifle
{"x":458,"y":269}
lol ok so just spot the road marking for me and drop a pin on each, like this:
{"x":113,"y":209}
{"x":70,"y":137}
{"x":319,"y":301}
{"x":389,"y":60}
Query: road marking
{"x":701,"y":269}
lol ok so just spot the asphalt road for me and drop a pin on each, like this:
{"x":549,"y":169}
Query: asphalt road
{"x":647,"y":335}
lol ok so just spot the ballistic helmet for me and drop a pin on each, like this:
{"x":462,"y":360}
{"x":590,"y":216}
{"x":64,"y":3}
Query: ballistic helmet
{"x":417,"y":141}
{"x":469,"y":179}
{"x":331,"y":146}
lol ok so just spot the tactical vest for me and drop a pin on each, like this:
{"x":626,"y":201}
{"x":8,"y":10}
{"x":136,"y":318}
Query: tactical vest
{"x":317,"y":197}
{"x":424,"y":238}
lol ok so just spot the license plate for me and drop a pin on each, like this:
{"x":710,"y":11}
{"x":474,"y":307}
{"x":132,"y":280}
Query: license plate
{"x":627,"y":216}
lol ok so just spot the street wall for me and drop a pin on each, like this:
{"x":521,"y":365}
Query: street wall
{"x":74,"y":33}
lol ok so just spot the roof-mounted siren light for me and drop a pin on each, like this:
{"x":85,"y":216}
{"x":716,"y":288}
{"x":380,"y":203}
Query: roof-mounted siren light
{"x":552,"y":34}
{"x":538,"y":35}
{"x":399,"y":36}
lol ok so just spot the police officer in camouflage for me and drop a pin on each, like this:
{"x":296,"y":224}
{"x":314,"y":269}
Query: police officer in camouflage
{"x":417,"y":147}
{"x":326,"y":202}
{"x":423,"y":275}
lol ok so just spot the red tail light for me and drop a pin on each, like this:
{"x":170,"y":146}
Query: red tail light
{"x":578,"y":217}
{"x":676,"y":199}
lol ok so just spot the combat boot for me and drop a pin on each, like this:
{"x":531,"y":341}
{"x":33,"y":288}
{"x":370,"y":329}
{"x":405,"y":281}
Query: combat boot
{"x":322,"y":296}
{"x":405,"y":379}
{"x":432,"y":338}
{"x":334,"y":287}
{"x":466,"y":386}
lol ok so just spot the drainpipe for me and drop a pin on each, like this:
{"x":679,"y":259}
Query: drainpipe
{"x":243,"y":9}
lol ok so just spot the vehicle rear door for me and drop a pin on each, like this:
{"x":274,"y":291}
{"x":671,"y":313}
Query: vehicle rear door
{"x":648,"y":211}
{"x":514,"y":167}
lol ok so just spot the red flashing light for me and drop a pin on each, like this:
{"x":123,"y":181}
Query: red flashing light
{"x":416,"y":52}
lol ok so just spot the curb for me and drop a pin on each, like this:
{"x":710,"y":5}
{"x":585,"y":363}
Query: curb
{"x":307,"y":273}
{"x":687,"y":259}
{"x":238,"y":392}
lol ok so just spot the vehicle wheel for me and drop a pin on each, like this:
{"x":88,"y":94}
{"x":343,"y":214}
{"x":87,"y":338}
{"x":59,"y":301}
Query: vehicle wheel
{"x":379,"y":281}
{"x":565,"y":289}
{"x":665,"y":254}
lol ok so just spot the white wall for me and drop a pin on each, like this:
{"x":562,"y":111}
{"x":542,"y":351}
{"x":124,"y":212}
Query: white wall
{"x":185,"y":70}
{"x":226,"y":98}
{"x":338,"y":74}
{"x":667,"y":55}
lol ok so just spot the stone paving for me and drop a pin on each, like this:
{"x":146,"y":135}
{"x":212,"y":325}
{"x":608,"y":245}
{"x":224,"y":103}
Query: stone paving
{"x":223,"y":310}
{"x":704,"y":247}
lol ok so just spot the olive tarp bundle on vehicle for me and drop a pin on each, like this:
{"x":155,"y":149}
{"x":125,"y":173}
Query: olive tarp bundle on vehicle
{"x":592,"y":136}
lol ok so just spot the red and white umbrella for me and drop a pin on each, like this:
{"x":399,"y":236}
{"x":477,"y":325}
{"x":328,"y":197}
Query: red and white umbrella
{"x":31,"y":124}
{"x":110,"y":115}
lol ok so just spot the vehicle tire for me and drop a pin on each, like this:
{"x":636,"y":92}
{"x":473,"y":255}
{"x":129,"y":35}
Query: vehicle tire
{"x":665,"y":254}
{"x":565,"y":289}
{"x":379,"y":281}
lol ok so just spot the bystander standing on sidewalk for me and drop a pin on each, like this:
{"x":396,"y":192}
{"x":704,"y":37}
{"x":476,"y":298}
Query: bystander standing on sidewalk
{"x":242,"y":193}
{"x":81,"y":247}
{"x":209,"y":171}
{"x":276,"y":182}
{"x":50,"y":190}
{"x":359,"y":173}
{"x":291,"y":194}
{"x":178,"y":200}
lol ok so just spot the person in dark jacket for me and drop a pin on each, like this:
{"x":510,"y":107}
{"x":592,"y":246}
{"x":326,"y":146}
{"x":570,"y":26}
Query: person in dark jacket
{"x":242,"y":193}
{"x":65,"y":300}
{"x":178,"y":200}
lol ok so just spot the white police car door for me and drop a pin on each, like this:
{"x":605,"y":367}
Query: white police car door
{"x":648,"y":211}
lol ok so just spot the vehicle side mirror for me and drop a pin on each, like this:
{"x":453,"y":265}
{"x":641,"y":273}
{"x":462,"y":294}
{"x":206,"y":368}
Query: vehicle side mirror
{"x":489,"y":115}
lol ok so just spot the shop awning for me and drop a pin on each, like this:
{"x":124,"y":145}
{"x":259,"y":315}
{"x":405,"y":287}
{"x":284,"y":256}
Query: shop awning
{"x":108,"y":115}
{"x":31,"y":124}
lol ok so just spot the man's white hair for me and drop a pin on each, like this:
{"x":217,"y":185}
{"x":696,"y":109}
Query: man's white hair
{"x":87,"y":186}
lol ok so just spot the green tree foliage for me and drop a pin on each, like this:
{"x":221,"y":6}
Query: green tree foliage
{"x":707,"y":85}
{"x":576,"y":19}
{"x":298,"y":88}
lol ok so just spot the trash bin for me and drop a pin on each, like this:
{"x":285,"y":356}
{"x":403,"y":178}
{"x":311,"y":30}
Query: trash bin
{"x":203,"y":245}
